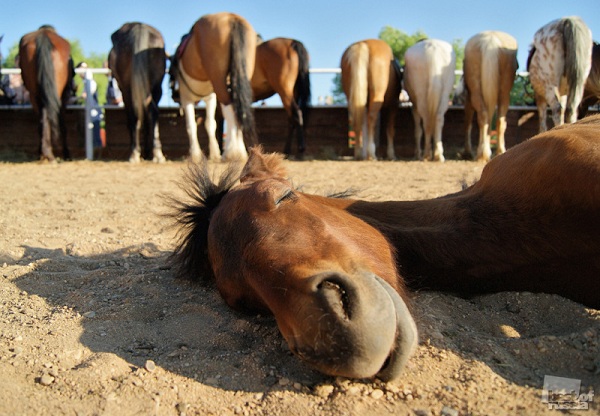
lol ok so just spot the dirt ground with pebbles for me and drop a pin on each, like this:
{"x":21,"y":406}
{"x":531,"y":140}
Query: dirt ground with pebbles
{"x":92,"y":321}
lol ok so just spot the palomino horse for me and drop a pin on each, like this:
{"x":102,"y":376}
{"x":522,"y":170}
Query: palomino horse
{"x":334,"y":271}
{"x":591,"y":92}
{"x":282,"y":68}
{"x":217,"y":56}
{"x":47,"y":71}
{"x":559,"y":62}
{"x":138,"y":62}
{"x":490,"y":67}
{"x":428,"y":78}
{"x":372,"y":81}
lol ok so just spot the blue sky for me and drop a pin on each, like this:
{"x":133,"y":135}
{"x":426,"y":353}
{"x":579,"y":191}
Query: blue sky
{"x":325,"y":27}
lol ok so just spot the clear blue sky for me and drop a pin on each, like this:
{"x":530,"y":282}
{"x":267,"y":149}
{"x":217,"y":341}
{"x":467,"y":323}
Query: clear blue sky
{"x":325,"y":27}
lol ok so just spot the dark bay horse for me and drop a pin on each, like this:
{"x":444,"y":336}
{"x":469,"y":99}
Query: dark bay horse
{"x":559,"y":62}
{"x":217,"y":56}
{"x":490,"y":67}
{"x":282,"y":68}
{"x":336,"y":272}
{"x":138,"y":63}
{"x":591,"y":91}
{"x":47,"y":72}
{"x":372,"y":81}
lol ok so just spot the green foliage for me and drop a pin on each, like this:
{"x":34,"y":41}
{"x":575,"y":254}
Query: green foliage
{"x":399,"y":41}
{"x":522,"y":92}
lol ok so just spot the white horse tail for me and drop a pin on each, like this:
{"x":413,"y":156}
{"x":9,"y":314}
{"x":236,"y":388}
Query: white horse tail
{"x":358,"y":55}
{"x":490,"y":72}
{"x":577,"y":39}
{"x":140,"y":83}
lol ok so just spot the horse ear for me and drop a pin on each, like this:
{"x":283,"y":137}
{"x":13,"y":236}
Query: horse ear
{"x":262,"y":166}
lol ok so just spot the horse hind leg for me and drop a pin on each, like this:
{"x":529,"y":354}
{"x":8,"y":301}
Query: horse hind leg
{"x":210,"y":124}
{"x":233,"y":146}
{"x":45,"y":132}
{"x":136,"y":153}
{"x":438,"y":150}
{"x":484,"y":150}
{"x":418,"y":134}
{"x":370,"y":148}
{"x":469,"y":111}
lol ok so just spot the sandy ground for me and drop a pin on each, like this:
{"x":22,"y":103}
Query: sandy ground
{"x":92,"y":321}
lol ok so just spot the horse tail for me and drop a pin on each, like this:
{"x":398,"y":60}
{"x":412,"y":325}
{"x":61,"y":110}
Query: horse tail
{"x":48,"y":96}
{"x":577,"y":43}
{"x":241,"y":90}
{"x":490,"y":72}
{"x":302,"y":86}
{"x":358,"y":55}
{"x":140,"y":80}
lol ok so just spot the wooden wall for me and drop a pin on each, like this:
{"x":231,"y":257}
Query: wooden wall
{"x":326,"y":132}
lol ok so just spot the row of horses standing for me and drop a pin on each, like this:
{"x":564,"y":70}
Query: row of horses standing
{"x":222,"y":60}
{"x":559,"y":62}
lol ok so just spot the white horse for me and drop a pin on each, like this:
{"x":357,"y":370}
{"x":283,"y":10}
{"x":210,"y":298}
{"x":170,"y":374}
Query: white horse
{"x":428,"y":79}
{"x":559,"y":62}
{"x":490,"y":67}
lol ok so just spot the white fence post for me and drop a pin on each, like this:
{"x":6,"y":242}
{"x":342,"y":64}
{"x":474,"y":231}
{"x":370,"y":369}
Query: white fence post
{"x":89,"y":126}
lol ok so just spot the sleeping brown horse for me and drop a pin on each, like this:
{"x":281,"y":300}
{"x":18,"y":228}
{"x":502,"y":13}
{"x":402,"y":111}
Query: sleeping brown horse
{"x":47,"y":72}
{"x":282,"y":68}
{"x":336,"y":272}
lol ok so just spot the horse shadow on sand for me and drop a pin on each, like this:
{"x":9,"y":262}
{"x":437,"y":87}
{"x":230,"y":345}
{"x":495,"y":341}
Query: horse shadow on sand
{"x":131,"y":305}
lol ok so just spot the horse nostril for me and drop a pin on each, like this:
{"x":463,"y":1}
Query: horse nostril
{"x":336,"y":296}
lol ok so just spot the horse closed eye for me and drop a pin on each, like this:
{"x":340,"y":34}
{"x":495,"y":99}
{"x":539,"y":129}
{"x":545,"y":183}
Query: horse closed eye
{"x":287,"y":195}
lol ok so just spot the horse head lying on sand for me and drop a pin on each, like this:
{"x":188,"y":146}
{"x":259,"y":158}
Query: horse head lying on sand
{"x":335,"y":272}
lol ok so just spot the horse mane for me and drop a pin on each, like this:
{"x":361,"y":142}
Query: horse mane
{"x":190,"y":257}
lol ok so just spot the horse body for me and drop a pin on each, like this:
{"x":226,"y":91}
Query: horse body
{"x":282,"y":68}
{"x":138,"y":62}
{"x":490,"y":67}
{"x":218,"y":57}
{"x":559,"y":62}
{"x":47,"y":72}
{"x":335,"y":272}
{"x":591,"y":91}
{"x":371,"y":80}
{"x":428,"y":79}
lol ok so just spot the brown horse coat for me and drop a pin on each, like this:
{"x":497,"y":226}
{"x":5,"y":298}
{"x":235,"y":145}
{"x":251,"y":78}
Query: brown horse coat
{"x":282,"y":68}
{"x":47,"y":72}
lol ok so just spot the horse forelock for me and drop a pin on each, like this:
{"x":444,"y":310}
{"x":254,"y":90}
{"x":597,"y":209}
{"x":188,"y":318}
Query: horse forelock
{"x":262,"y":166}
{"x":193,"y":215}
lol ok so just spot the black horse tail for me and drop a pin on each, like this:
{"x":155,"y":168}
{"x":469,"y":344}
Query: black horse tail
{"x":140,"y":80}
{"x":302,"y":86}
{"x":241,"y":91}
{"x":48,"y":97}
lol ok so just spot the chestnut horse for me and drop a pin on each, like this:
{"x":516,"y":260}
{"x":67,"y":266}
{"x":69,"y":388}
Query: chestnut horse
{"x":47,"y":72}
{"x":138,"y":62}
{"x":217,"y":55}
{"x":282,"y":68}
{"x":591,"y":91}
{"x":334,"y":272}
{"x":428,"y":78}
{"x":372,"y":81}
{"x":559,"y":62}
{"x":490,"y":67}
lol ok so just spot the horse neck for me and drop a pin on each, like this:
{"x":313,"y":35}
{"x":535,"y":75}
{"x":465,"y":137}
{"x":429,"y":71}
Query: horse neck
{"x":436,"y":240}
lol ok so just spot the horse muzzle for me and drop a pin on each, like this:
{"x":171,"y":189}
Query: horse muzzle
{"x":352,"y":326}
